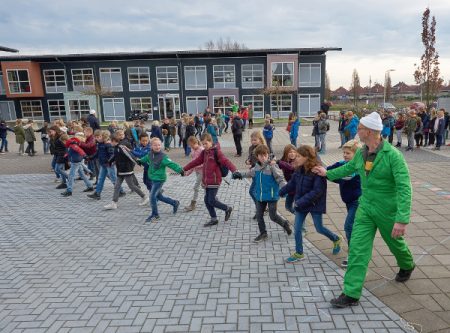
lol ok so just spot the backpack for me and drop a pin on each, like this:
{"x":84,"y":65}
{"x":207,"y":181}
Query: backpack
{"x":223,"y":169}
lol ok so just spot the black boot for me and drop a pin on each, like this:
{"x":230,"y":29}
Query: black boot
{"x":344,"y":301}
{"x":403,"y":275}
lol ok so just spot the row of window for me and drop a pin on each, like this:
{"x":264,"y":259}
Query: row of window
{"x":114,"y":108}
{"x":195,"y":78}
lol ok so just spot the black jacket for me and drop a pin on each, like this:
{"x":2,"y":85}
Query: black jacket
{"x":190,"y":131}
{"x":124,"y":165}
{"x":59,"y":150}
{"x":93,"y":122}
{"x":237,"y":126}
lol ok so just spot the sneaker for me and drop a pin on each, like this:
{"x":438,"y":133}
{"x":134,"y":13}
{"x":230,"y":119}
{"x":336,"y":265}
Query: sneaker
{"x":337,"y":246}
{"x":344,"y":263}
{"x":94,"y":195}
{"x":261,"y":237}
{"x":287,"y":228}
{"x":66,"y":194}
{"x":110,"y":206}
{"x":61,"y":186}
{"x":152,"y":218}
{"x":145,"y":201}
{"x":175,"y":206}
{"x":211,"y":223}
{"x":122,"y":194}
{"x":295,"y":257}
{"x":228,"y":213}
{"x":344,"y":301}
{"x":89,"y":189}
{"x":403,"y":275}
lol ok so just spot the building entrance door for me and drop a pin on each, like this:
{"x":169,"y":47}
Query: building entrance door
{"x":169,"y":106}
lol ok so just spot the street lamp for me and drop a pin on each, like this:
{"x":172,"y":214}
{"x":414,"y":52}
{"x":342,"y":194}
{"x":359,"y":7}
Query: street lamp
{"x":385,"y":84}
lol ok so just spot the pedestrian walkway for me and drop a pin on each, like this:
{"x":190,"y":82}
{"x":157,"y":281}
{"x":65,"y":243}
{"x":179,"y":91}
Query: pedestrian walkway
{"x":66,"y":265}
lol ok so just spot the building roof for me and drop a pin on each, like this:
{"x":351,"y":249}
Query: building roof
{"x":7,"y":49}
{"x":169,"y":54}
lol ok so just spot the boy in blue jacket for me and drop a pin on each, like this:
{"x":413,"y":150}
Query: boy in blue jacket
{"x":293,"y":133}
{"x":350,"y":188}
{"x":268,"y":179}
{"x":139,"y":152}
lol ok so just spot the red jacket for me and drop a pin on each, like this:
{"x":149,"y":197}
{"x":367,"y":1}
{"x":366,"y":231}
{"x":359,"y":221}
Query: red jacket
{"x":245,"y":114}
{"x":89,"y":146}
{"x":212,"y":177}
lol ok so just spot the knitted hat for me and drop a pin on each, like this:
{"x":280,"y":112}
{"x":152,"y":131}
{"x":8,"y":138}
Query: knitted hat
{"x":372,"y":121}
{"x":92,"y":111}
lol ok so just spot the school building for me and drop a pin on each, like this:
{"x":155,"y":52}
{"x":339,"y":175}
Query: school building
{"x":164,"y":84}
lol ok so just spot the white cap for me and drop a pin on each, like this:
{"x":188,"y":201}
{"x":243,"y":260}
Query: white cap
{"x":92,"y":111}
{"x":372,"y":121}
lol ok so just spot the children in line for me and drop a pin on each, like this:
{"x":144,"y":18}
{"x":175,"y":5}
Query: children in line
{"x":20,"y":136}
{"x":256,"y":139}
{"x":196,"y":151}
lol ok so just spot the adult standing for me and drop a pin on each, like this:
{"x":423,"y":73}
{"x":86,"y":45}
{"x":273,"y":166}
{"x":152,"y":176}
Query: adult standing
{"x":385,"y":204}
{"x":342,"y":124}
{"x":93,"y":121}
{"x":250,"y":116}
{"x":323,"y":126}
{"x":439,"y":129}
{"x":236,"y":128}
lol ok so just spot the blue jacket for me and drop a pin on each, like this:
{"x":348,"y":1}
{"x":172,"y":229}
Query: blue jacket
{"x":310,"y":192}
{"x":141,"y":151}
{"x":293,"y":134}
{"x":156,"y":133}
{"x":105,"y":153}
{"x":4,"y":130}
{"x":267,"y":179}
{"x":211,"y":129}
{"x":352,"y":126}
{"x":268,"y":132}
{"x":350,"y":187}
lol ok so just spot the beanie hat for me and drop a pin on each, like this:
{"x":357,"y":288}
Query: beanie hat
{"x":92,"y":111}
{"x":372,"y":121}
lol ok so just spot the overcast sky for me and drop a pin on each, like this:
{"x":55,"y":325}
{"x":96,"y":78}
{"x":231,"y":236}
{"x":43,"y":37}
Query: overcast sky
{"x":374,"y":35}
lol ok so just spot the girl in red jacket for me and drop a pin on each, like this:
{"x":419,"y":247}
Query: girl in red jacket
{"x":211,"y":158}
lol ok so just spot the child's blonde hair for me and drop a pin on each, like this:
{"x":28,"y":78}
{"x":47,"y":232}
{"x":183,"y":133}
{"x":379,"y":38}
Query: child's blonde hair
{"x":352,"y":145}
{"x":155,"y":139}
{"x":258,"y":135}
{"x":98,"y":132}
{"x":105,"y":135}
{"x":155,"y":123}
{"x":193,"y":140}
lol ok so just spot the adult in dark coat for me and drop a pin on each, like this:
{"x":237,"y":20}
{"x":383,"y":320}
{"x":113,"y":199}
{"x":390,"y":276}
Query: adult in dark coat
{"x":93,"y":121}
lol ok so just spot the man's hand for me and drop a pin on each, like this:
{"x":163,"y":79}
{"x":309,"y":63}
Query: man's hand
{"x":320,"y":170}
{"x":398,"y":230}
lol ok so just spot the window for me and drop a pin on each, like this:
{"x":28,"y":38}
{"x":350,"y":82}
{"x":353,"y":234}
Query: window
{"x":82,"y":79}
{"x":167,"y":78}
{"x":55,"y":81}
{"x":113,"y":109}
{"x":308,"y":105}
{"x":252,"y":76}
{"x":142,"y":104}
{"x":196,"y":104}
{"x":18,"y":81}
{"x":2,"y":86}
{"x":224,"y":76}
{"x":282,"y":74}
{"x":32,"y":110}
{"x":7,"y":110}
{"x":78,"y":108}
{"x":111,"y":79}
{"x":309,"y":75}
{"x":223,"y":103}
{"x":280,"y":105}
{"x":195,"y":77}
{"x":257,"y":103}
{"x":139,"y":78}
{"x":57,"y":109}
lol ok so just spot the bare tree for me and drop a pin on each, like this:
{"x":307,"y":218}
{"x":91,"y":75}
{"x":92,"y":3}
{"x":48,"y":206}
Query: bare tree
{"x":327,"y":86}
{"x":355,"y":87}
{"x":388,"y":85}
{"x":427,"y":75}
{"x":224,"y":45}
{"x":98,"y":91}
{"x":277,"y":90}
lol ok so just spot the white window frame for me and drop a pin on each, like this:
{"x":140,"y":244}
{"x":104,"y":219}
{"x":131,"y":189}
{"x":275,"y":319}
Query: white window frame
{"x":82,"y":112}
{"x":62,"y":114}
{"x":312,"y":113}
{"x":197,"y":86}
{"x":115,"y":101}
{"x":282,"y":72}
{"x":251,"y":83}
{"x":196,"y":99}
{"x":19,"y":81}
{"x":309,"y":83}
{"x":283,"y":113}
{"x":84,"y":86}
{"x":225,"y":84}
{"x":59,"y":89}
{"x":141,"y":86}
{"x":106,"y":74}
{"x":2,"y":85}
{"x":11,"y":110}
{"x":150,"y":111}
{"x":33,"y":116}
{"x":165,"y":86}
{"x":255,"y":112}
{"x":224,"y":109}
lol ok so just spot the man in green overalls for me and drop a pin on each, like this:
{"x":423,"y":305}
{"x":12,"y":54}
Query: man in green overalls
{"x":385,"y":204}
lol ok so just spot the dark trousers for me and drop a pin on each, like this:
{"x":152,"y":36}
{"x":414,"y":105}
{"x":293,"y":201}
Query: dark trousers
{"x":269,"y":144}
{"x":439,"y":140}
{"x":212,"y":203}
{"x":250,"y":123}
{"x":30,"y":148}
{"x":419,"y":139}
{"x":391,"y":135}
{"x":145,"y":179}
{"x":237,"y":142}
{"x":261,"y":207}
{"x":431,"y":138}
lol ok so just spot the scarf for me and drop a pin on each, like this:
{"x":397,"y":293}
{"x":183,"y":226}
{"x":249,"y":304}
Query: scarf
{"x":157,"y":158}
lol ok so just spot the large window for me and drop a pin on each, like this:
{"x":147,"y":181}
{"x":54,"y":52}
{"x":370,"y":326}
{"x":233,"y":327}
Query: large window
{"x":308,"y":105}
{"x":2,"y":86}
{"x":78,"y":108}
{"x":196,"y":104}
{"x":252,"y":76}
{"x":83,"y":79}
{"x":309,"y":75}
{"x":113,"y":109}
{"x":195,"y":77}
{"x":257,"y":104}
{"x":32,"y":110}
{"x":57,"y":109}
{"x":111,"y":79}
{"x":280,"y":105}
{"x":139,"y":78}
{"x":7,"y":110}
{"x":18,"y":81}
{"x":55,"y":81}
{"x":142,"y":104}
{"x":224,"y":76}
{"x":167,"y":78}
{"x":223,"y":103}
{"x":282,"y":74}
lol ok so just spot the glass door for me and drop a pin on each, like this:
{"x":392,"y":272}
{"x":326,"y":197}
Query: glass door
{"x":169,"y":106}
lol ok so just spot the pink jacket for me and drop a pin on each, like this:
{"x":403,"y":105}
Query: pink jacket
{"x":194,"y":155}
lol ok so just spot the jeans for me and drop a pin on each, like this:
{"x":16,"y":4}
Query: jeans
{"x":318,"y":224}
{"x":106,"y":171}
{"x":399,"y":136}
{"x":53,"y":164}
{"x":4,"y":144}
{"x":167,"y":140}
{"x":261,"y":207}
{"x":227,"y":123}
{"x":350,"y":219}
{"x":74,"y":169}
{"x":411,"y":140}
{"x":60,"y":170}
{"x":293,"y":141}
{"x":391,"y":135}
{"x":245,"y":122}
{"x":155,"y":196}
{"x":269,"y":144}
{"x":46,"y":145}
{"x":237,"y":142}
{"x":342,"y":135}
{"x":132,"y":184}
{"x":92,"y":167}
{"x":322,"y":143}
{"x":439,"y":140}
{"x":211,"y":202}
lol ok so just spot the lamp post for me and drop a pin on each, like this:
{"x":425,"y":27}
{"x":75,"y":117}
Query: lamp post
{"x":385,"y":83}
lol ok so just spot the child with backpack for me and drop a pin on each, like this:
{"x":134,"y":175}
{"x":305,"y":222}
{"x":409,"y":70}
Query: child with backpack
{"x":268,"y":134}
{"x":196,"y":151}
{"x":214,"y":164}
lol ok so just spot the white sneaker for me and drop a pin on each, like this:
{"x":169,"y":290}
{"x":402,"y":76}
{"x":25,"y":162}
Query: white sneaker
{"x":112,"y":205}
{"x":144,"y":201}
